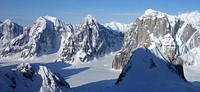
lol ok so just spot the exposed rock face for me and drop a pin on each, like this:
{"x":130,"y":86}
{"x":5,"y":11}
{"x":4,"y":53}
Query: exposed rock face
{"x":26,"y":69}
{"x":9,"y":30}
{"x":44,"y":37}
{"x":147,"y":66}
{"x":90,"y":40}
{"x":49,"y":35}
{"x":156,"y":29}
{"x":28,"y":78}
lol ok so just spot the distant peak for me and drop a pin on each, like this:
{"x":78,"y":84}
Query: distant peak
{"x":150,"y":10}
{"x":190,"y":14}
{"x":89,"y":16}
{"x":150,"y":13}
{"x":191,"y":17}
{"x":89,"y":19}
{"x":7,"y":21}
{"x":50,"y":18}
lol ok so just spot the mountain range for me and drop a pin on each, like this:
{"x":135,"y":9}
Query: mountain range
{"x":152,"y":50}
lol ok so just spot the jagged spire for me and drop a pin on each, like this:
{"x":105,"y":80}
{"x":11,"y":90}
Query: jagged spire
{"x":89,"y":19}
{"x":8,"y":21}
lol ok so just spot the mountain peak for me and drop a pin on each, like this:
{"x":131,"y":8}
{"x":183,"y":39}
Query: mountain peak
{"x":118,"y":26}
{"x":191,"y":17}
{"x":8,"y":21}
{"x":150,"y":13}
{"x":89,"y":19}
{"x":89,"y":16}
{"x":50,"y":18}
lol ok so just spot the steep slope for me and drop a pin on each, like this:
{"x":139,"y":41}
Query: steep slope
{"x":170,"y":34}
{"x":8,"y":31}
{"x":25,"y":77}
{"x":118,"y":26}
{"x":148,"y":70}
{"x":44,"y":37}
{"x":90,"y":40}
{"x":145,"y":66}
{"x":51,"y":82}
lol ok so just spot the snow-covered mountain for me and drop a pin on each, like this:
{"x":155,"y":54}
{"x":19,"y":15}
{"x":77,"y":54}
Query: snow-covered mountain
{"x":44,"y":37}
{"x":8,"y":31}
{"x":147,"y":66}
{"x":25,"y":77}
{"x":168,"y":43}
{"x":118,"y":26}
{"x":90,"y":40}
{"x":49,"y":35}
{"x":148,"y":70}
{"x":174,"y":35}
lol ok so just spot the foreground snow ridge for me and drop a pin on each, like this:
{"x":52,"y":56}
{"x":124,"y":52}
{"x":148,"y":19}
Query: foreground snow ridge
{"x":27,"y":78}
{"x":146,"y":69}
{"x":51,"y":82}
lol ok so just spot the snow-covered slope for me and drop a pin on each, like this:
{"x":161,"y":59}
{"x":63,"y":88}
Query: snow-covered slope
{"x":90,"y":40}
{"x":51,"y":82}
{"x":149,"y":71}
{"x":118,"y":26}
{"x":31,"y":79}
{"x":146,"y":66}
{"x":87,"y":77}
{"x":192,"y":18}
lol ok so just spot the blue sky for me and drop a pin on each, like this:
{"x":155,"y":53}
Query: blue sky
{"x":25,"y":12}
